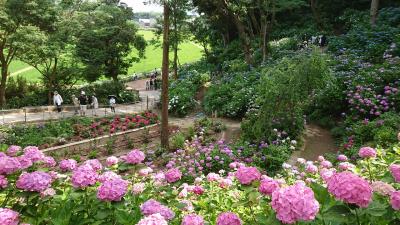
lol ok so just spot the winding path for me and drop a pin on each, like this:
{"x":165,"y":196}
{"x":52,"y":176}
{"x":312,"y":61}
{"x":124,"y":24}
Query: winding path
{"x":317,"y":141}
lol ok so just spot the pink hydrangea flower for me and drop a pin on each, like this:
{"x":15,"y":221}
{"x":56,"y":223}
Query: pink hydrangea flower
{"x":326,"y":164}
{"x":246,"y":175}
{"x":173,"y":175}
{"x":134,"y":157}
{"x":198,"y":190}
{"x":346,"y":166}
{"x":213,"y":177}
{"x":49,"y":161}
{"x":367,"y":152}
{"x":154,"y":219}
{"x":48,"y":193}
{"x":394,"y":170}
{"x":25,"y":162}
{"x":225,"y":183}
{"x":228,"y":218}
{"x":111,"y":161}
{"x":9,"y":165}
{"x":33,"y":153}
{"x":152,"y":206}
{"x":138,"y":188}
{"x":3,"y":181}
{"x":187,"y":205}
{"x":311,"y":168}
{"x":192,"y":219}
{"x":395,"y":200}
{"x":94,"y":163}
{"x":36,"y":181}
{"x":350,"y":188}
{"x":68,"y":165}
{"x":268,"y":186}
{"x":321,"y":158}
{"x":326,"y":174}
{"x":109,"y":175}
{"x":342,"y":158}
{"x":112,"y":190}
{"x":295,"y":203}
{"x":84,"y":176}
{"x":8,"y":217}
{"x":13,"y":150}
{"x":145,"y":171}
{"x":382,"y":188}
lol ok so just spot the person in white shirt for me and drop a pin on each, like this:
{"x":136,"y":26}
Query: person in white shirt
{"x":57,"y":99}
{"x":112,"y":104}
{"x":95,"y":104}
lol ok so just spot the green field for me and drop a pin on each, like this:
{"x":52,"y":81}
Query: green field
{"x":189,"y":52}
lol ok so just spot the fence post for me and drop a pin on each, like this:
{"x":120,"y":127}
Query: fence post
{"x":25,"y":114}
{"x":105,"y":111}
{"x":4,"y":121}
{"x":43,"y":113}
{"x":147,"y":102}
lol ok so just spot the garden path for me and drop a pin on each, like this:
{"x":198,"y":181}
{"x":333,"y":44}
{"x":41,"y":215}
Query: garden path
{"x":153,"y":96}
{"x":317,"y":141}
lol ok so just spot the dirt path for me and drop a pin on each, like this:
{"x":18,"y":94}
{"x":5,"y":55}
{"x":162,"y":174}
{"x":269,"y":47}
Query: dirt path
{"x":317,"y":141}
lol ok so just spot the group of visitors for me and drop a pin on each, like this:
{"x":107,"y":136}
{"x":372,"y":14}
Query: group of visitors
{"x":81,"y":103}
{"x":320,"y":41}
{"x":152,"y":84}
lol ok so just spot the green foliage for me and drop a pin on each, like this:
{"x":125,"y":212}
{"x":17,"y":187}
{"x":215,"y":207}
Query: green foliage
{"x":105,"y":44}
{"x":284,"y":92}
{"x":177,"y":141}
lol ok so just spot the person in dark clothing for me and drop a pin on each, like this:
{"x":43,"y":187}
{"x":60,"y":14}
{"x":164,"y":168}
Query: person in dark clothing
{"x":322,"y":41}
{"x":151,"y":84}
{"x":83,"y":101}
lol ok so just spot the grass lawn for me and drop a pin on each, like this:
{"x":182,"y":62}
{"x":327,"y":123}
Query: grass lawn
{"x":189,"y":52}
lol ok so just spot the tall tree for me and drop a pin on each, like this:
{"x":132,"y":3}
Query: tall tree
{"x":21,"y":25}
{"x":107,"y":40}
{"x":374,"y":11}
{"x":165,"y":75}
{"x":54,"y":56}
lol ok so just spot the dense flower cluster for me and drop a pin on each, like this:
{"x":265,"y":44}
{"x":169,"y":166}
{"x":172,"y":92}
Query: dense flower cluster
{"x":173,"y":175}
{"x":154,"y":219}
{"x":152,"y":207}
{"x":94,"y":163}
{"x":36,"y":181}
{"x":367,"y":152}
{"x":350,"y":188}
{"x":192,"y":219}
{"x":295,"y":203}
{"x":84,"y":176}
{"x":8,"y":217}
{"x":246,"y":175}
{"x":268,"y":186}
{"x":68,"y":165}
{"x":382,"y":188}
{"x":33,"y":153}
{"x":13,"y":150}
{"x":395,"y":171}
{"x":395,"y":200}
{"x":134,"y":157}
{"x":9,"y":165}
{"x":228,"y":218}
{"x":112,"y":190}
{"x":3,"y":182}
{"x":112,"y":160}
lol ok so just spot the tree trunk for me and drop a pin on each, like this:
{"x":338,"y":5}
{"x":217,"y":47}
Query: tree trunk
{"x":51,"y":84}
{"x":374,"y":11}
{"x":165,"y":73}
{"x":4,"y":74}
{"x":316,"y":14}
{"x":256,"y":26}
{"x":176,"y":61}
{"x":244,"y":39}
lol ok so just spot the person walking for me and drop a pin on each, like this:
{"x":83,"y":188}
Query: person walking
{"x":83,"y":101}
{"x":112,"y":103}
{"x":147,"y":85}
{"x":151,"y":84}
{"x":57,"y":99}
{"x":75,"y":101}
{"x":95,"y":105}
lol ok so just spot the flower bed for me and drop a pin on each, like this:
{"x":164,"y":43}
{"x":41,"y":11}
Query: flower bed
{"x":38,"y":190}
{"x":74,"y":129}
